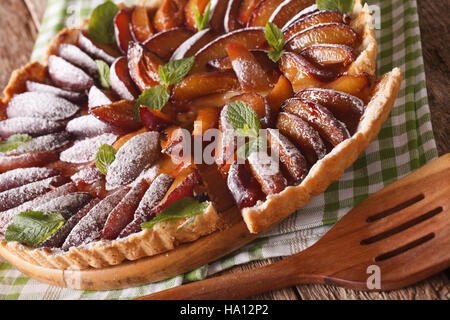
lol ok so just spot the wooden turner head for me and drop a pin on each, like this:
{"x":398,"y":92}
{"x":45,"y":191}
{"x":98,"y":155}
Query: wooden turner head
{"x":396,"y":237}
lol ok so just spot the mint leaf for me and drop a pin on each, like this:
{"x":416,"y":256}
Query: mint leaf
{"x":103,"y":74}
{"x":101,"y":23}
{"x":180,"y":209}
{"x":106,"y":155}
{"x":254,"y":145}
{"x":175,"y":71}
{"x":274,"y":36}
{"x":14,"y":141}
{"x":340,"y":5}
{"x":154,"y":98}
{"x":202,"y":20}
{"x":275,"y":55}
{"x":243,"y":118}
{"x":33,"y":227}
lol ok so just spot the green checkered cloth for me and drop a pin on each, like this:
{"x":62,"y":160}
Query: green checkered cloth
{"x":404,"y":144}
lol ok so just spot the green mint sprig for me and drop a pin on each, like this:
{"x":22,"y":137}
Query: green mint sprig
{"x":101,"y":23}
{"x":106,"y":155}
{"x":275,"y":38}
{"x":103,"y":74}
{"x":155,"y":98}
{"x":184,"y":208}
{"x":14,"y":141}
{"x":245,"y":122}
{"x":340,"y":5}
{"x":33,"y":227}
{"x":202,"y":19}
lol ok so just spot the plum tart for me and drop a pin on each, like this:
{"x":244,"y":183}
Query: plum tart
{"x":148,"y":122}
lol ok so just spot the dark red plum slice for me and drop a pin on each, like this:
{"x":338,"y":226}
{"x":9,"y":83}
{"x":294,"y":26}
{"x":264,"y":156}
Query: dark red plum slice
{"x":133,"y":157}
{"x":67,"y":205}
{"x":78,"y":58}
{"x":48,"y":142}
{"x":97,"y":50}
{"x":69,"y":95}
{"x":66,"y":75}
{"x":19,"y":177}
{"x":123,"y":214}
{"x":89,"y":228}
{"x":32,"y":126}
{"x":90,"y":126}
{"x":7,"y":216}
{"x":85,"y":151}
{"x":57,"y":239}
{"x":266,"y":170}
{"x":17,"y":196}
{"x":151,"y":198}
{"x":243,"y":186}
{"x":30,"y":104}
{"x":121,"y":82}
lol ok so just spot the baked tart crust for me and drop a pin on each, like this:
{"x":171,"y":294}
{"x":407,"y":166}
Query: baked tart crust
{"x":166,"y":236}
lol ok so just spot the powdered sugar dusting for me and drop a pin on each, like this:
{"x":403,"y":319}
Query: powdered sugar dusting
{"x":89,"y":227}
{"x":40,"y":105}
{"x":85,"y":151}
{"x":151,"y":198}
{"x":57,"y":239}
{"x":78,"y":57}
{"x":88,"y":126}
{"x":31,"y":126}
{"x":97,"y":98}
{"x":69,"y":95}
{"x":67,"y":205}
{"x":134,"y":157}
{"x":7,"y":216}
{"x":88,"y":175}
{"x":44,"y":143}
{"x":14,"y":197}
{"x":19,"y":177}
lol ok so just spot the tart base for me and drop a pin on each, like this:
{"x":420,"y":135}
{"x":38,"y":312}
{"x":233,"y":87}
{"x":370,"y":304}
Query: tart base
{"x":147,"y":270}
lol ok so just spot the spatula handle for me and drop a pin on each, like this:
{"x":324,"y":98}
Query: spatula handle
{"x":234,"y":286}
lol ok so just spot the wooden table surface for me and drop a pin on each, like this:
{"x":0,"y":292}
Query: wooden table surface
{"x":19,"y":27}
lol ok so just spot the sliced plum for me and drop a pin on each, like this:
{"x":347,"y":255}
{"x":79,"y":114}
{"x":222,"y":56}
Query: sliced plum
{"x":33,"y":126}
{"x":101,"y":51}
{"x":243,"y":185}
{"x":89,"y":228}
{"x":78,"y":58}
{"x":90,"y":126}
{"x":7,"y":216}
{"x":29,"y":104}
{"x":305,"y":136}
{"x":84,"y":151}
{"x":123,"y":213}
{"x":19,"y":177}
{"x":150,"y":199}
{"x":67,"y":76}
{"x":67,"y":204}
{"x":57,"y":239}
{"x":17,"y":196}
{"x":133,"y":157}
{"x":121,"y":82}
{"x":41,"y":87}
{"x":165,"y":43}
{"x":290,"y":156}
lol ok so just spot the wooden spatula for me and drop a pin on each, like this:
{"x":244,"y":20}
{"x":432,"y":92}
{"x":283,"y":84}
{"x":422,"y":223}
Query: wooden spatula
{"x":397,"y":237}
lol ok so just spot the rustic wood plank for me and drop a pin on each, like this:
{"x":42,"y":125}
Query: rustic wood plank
{"x":36,"y":9}
{"x":17,"y":36}
{"x":434,"y":288}
{"x":283,"y":294}
{"x":434,"y":21}
{"x":18,"y":29}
